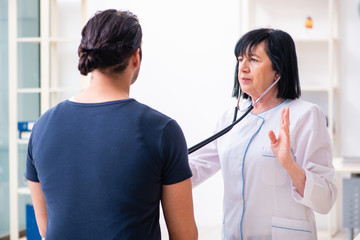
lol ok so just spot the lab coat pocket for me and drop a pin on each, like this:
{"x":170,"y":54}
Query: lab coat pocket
{"x":285,"y":228}
{"x":267,"y":151}
{"x":273,"y":173}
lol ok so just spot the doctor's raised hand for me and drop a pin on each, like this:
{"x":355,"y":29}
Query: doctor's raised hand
{"x":272,"y":183}
{"x":281,"y":149}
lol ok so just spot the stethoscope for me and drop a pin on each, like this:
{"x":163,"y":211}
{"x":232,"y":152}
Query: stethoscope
{"x":228,"y":128}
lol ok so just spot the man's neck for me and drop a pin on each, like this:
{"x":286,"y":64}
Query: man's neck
{"x":105,"y":88}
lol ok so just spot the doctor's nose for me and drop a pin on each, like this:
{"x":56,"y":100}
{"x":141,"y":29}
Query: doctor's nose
{"x":244,"y":65}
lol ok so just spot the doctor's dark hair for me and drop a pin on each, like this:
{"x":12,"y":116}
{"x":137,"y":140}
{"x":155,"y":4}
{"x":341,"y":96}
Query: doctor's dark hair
{"x":280,"y":48}
{"x":108,"y":40}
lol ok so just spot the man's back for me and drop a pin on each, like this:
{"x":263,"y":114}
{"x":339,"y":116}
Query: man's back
{"x":102,"y":166}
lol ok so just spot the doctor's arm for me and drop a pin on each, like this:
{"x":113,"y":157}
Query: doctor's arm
{"x":39,"y":204}
{"x":312,"y":152}
{"x":281,"y":149}
{"x":204,"y":163}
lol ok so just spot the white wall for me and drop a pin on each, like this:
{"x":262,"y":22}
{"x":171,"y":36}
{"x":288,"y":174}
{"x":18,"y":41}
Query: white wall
{"x":187,"y":72}
{"x":349,"y":78}
{"x":188,"y":66}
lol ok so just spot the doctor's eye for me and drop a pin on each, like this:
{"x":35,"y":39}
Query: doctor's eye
{"x":240,"y":59}
{"x":253,"y":59}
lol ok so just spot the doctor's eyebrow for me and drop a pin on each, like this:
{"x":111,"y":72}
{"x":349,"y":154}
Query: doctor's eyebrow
{"x":248,"y":56}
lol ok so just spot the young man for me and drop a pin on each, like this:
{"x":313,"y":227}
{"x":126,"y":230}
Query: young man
{"x":99,"y":164}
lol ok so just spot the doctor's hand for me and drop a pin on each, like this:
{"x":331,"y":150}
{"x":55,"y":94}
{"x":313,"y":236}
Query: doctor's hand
{"x":281,"y":145}
{"x":281,"y":149}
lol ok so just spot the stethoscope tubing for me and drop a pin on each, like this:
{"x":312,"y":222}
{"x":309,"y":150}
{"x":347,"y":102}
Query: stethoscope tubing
{"x":222,"y":132}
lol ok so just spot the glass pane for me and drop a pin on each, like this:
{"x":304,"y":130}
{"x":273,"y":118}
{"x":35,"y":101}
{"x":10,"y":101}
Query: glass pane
{"x":28,"y":106}
{"x":28,"y":65}
{"x":4,"y":122}
{"x":22,"y":151}
{"x":28,"y":77}
{"x":28,"y":18}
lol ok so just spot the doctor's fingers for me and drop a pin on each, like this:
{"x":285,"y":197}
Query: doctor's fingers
{"x":285,"y":119}
{"x":272,"y":137}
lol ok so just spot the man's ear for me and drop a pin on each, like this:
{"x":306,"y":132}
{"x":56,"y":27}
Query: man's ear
{"x":136,"y":58}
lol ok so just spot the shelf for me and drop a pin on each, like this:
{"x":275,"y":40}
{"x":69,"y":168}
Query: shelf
{"x":23,"y":141}
{"x":23,"y":191}
{"x":55,"y":90}
{"x":29,"y":39}
{"x":323,"y":40}
{"x":343,"y":166}
{"x":63,"y":40}
{"x":51,"y":40}
{"x":308,"y":88}
{"x":29,"y":90}
{"x":311,"y":40}
{"x":52,"y":90}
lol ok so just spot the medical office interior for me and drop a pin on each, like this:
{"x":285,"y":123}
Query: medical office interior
{"x":187,"y":73}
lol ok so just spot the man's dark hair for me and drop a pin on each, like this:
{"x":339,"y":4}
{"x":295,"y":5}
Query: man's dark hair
{"x":108,"y":40}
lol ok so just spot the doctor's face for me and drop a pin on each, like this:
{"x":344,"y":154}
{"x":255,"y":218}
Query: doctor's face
{"x":256,"y":73}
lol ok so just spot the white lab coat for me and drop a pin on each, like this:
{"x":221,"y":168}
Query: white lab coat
{"x":260,"y":200}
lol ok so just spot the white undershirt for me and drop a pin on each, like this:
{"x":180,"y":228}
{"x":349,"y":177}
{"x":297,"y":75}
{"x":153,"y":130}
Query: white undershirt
{"x":72,"y":99}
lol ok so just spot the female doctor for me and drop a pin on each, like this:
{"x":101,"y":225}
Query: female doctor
{"x":272,"y":183}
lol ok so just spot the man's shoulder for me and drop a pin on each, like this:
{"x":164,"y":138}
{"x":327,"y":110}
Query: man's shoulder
{"x":152,"y":114}
{"x":51,"y":111}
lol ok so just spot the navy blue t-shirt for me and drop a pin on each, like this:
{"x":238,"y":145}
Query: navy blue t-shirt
{"x":101,"y":167}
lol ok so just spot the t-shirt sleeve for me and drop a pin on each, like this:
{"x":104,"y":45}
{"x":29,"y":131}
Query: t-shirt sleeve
{"x":31,"y":173}
{"x":175,"y":155}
